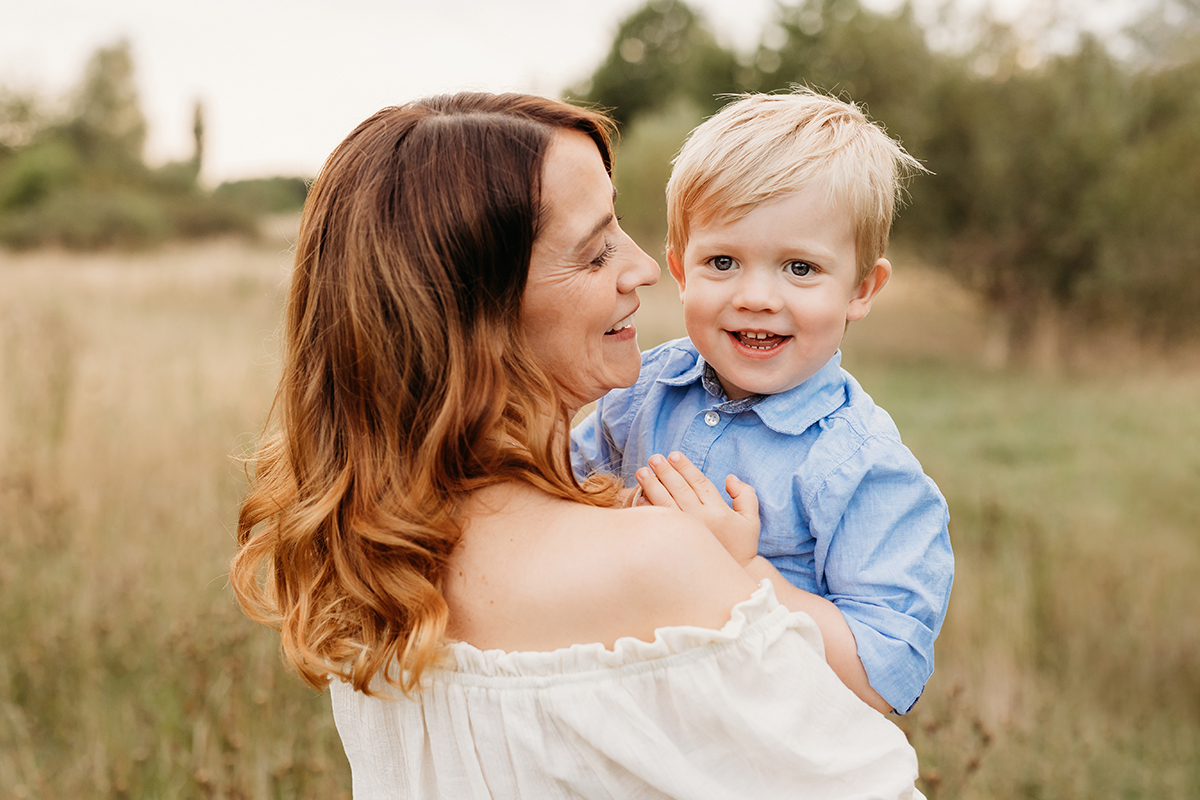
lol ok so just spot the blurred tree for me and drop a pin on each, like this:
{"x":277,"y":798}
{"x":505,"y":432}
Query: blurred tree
{"x":1168,"y":34}
{"x":1017,"y":209}
{"x":1151,"y":245}
{"x":37,"y":171}
{"x":106,"y":123}
{"x":80,"y":181}
{"x":198,"y":136}
{"x":643,"y":168}
{"x":662,"y":53}
{"x":264,"y":195}
{"x":881,"y":61}
{"x":21,"y":116}
{"x":1065,"y":188}
{"x":182,"y":177}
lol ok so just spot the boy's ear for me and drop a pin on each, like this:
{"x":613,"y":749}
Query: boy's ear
{"x":676,"y":268}
{"x":872,"y":285}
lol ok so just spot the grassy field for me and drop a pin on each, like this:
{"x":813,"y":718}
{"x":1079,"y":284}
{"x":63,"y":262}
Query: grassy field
{"x":1069,"y":665}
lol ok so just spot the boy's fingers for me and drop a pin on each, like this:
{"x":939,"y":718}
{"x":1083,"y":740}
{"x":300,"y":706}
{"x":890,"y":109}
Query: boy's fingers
{"x":652,"y":489}
{"x":745,"y":499}
{"x":701,"y":485}
{"x":682,"y":492}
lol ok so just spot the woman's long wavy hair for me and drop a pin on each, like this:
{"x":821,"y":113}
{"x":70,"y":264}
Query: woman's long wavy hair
{"x":406,"y":383}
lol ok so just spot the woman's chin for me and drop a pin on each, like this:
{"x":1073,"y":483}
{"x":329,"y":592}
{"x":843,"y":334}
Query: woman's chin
{"x":627,"y":376}
{"x":627,"y":365}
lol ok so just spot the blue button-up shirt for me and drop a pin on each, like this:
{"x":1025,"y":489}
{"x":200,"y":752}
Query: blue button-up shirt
{"x":847,"y":512}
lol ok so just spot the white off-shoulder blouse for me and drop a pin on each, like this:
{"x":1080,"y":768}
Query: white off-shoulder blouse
{"x":748,"y":711}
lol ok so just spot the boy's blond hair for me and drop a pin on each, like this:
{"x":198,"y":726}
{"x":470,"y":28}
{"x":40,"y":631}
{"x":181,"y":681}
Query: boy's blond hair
{"x":765,"y":146}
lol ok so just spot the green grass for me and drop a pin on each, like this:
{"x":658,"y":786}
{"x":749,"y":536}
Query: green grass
{"x":1069,"y":664}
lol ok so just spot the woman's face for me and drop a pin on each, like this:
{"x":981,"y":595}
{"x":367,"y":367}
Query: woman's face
{"x":577,"y":310}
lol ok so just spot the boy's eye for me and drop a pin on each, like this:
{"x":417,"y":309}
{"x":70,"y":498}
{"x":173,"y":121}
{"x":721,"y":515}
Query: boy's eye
{"x":801,"y":269}
{"x":721,"y":263}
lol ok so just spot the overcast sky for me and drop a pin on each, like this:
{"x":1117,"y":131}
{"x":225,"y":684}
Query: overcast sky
{"x":283,"y":81}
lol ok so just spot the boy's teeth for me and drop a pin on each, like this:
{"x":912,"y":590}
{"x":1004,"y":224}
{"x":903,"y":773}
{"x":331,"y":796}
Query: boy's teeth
{"x":758,"y":340}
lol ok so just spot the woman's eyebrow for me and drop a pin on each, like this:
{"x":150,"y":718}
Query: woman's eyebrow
{"x":601,"y":225}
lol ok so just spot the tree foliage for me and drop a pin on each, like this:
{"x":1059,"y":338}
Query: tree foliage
{"x":662,"y":54}
{"x":1064,"y":186}
{"x":106,"y":124}
{"x":79,"y":180}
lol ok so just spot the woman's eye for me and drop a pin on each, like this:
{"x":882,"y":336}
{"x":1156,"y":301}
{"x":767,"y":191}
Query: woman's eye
{"x":605,"y":254}
{"x":721,"y":263}
{"x":801,"y":269}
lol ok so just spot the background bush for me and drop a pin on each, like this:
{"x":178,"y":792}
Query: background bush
{"x":78,"y":180}
{"x":1063,"y":190}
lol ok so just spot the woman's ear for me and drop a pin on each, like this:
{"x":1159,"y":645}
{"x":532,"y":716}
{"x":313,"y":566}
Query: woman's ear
{"x":676,"y":268}
{"x":872,"y":285}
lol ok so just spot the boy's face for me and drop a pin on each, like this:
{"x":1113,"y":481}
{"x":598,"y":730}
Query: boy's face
{"x":766,"y":298}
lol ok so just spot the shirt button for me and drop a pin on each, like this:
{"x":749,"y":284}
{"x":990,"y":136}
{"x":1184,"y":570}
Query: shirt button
{"x":711,"y":418}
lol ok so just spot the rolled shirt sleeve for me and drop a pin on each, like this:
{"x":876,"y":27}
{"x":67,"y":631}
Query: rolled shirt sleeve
{"x":883,"y":557}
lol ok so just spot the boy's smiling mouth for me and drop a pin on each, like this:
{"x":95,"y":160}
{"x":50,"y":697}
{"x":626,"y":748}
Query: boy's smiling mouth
{"x":758,"y":340}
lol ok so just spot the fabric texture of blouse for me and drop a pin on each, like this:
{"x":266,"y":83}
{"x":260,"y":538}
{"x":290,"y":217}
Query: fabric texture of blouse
{"x":748,"y":711}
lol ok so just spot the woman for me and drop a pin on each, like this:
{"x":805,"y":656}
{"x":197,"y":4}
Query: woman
{"x":494,"y":629}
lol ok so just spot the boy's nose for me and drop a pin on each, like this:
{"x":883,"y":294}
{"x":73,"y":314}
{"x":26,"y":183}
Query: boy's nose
{"x":756,"y":291}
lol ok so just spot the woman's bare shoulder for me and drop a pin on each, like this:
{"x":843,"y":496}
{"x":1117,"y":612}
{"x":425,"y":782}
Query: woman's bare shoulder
{"x":649,"y":568}
{"x":548,"y":575}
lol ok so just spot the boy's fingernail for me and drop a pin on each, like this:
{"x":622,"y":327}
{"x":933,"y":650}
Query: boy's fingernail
{"x":676,"y":458}
{"x":656,"y":460}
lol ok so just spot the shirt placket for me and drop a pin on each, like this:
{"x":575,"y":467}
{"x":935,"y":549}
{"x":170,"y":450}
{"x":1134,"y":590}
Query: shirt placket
{"x":705,"y":428}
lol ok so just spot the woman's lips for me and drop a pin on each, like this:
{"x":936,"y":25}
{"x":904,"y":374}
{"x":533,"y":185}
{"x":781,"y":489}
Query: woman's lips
{"x":620,"y":327}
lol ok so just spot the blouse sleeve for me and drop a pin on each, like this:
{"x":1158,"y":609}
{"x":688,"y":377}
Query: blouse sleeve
{"x":747,"y":711}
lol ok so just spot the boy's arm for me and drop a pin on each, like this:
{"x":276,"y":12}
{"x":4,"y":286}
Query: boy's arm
{"x":626,"y":420}
{"x":676,"y":482}
{"x":841,"y":648}
{"x":883,"y":549}
{"x":598,"y":442}
{"x":589,"y":445}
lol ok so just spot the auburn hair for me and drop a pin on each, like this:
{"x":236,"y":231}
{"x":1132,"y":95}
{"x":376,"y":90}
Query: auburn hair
{"x":406,"y":382}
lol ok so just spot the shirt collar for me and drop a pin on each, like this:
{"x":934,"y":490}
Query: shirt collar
{"x":791,"y":412}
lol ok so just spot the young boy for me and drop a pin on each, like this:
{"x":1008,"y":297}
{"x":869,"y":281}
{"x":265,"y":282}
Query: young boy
{"x":779,"y":210}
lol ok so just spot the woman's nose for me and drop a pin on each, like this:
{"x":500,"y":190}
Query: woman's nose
{"x":639,"y":269}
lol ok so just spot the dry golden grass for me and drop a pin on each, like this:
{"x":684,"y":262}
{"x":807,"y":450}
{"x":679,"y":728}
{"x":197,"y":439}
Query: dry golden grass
{"x":1069,"y":665}
{"x":128,"y":670}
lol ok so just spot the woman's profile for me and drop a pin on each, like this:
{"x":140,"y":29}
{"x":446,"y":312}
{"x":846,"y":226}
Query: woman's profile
{"x":490,"y":627}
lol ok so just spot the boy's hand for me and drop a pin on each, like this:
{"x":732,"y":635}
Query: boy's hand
{"x":676,"y":482}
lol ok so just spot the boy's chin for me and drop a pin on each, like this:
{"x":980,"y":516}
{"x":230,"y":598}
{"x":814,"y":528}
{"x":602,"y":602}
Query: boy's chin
{"x":735,"y":392}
